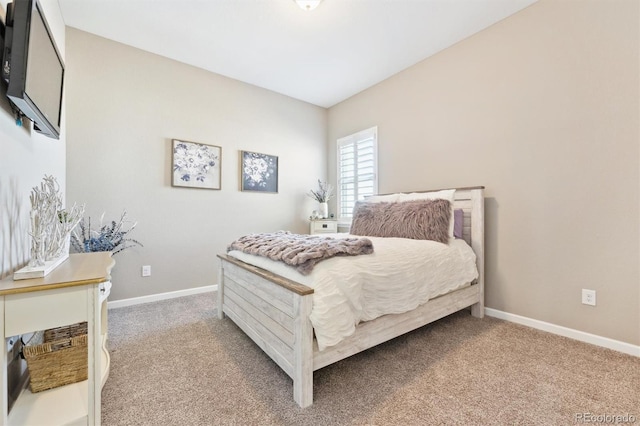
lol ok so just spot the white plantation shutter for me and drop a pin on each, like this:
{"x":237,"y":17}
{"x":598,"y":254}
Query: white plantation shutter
{"x":357,"y":170}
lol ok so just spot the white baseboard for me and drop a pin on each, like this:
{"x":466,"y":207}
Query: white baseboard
{"x":605,"y":342}
{"x":160,"y":296}
{"x":582,"y":336}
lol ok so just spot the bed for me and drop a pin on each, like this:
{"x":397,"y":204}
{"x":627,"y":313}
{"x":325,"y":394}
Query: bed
{"x":274,"y":311}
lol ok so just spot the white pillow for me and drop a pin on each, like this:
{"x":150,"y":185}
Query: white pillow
{"x":391,"y":198}
{"x":445,"y":194}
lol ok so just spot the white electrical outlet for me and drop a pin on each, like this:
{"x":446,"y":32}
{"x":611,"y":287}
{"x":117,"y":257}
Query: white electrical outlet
{"x":11,"y":341}
{"x":146,"y":271}
{"x":588,"y":297}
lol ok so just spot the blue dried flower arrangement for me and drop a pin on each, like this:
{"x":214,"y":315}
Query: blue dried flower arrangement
{"x":111,"y":237}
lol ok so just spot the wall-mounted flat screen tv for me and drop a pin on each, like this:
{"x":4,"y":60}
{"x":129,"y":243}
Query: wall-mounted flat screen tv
{"x":33,"y":67}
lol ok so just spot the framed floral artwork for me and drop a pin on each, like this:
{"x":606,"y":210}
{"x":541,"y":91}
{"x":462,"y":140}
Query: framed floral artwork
{"x":258,"y":172}
{"x":195,"y":165}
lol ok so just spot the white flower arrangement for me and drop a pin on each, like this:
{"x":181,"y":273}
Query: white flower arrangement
{"x":324,"y":192}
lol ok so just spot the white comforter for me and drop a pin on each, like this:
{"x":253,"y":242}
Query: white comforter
{"x":400,"y":275}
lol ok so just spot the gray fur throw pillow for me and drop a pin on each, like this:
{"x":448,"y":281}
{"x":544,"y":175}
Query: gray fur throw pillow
{"x":417,"y":220}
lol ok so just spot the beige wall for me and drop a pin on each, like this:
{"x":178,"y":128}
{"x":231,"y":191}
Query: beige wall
{"x":543,"y":109}
{"x":125,"y":106}
{"x":25,"y":157}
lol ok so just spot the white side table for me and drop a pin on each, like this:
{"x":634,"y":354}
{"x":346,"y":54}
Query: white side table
{"x":323,"y":226}
{"x":75,"y":291}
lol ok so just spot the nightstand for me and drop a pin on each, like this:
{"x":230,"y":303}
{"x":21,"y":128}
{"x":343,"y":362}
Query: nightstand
{"x":323,"y":226}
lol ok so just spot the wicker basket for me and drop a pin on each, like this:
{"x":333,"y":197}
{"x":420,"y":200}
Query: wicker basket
{"x":61,"y":358}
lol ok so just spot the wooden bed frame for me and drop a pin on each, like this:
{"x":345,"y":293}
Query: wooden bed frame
{"x":274,"y":311}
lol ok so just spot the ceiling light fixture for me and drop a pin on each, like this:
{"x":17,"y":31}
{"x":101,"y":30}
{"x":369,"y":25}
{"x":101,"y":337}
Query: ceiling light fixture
{"x":308,"y":4}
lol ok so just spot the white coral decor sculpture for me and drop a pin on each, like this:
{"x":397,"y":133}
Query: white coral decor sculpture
{"x":50,"y":224}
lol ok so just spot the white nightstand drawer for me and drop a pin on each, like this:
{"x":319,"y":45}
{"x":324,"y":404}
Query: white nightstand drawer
{"x":323,"y":226}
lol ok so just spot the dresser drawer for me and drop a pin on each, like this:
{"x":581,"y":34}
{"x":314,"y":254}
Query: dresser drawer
{"x":323,"y":226}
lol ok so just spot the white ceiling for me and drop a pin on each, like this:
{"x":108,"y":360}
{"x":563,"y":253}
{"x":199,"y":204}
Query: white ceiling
{"x":322,"y":57}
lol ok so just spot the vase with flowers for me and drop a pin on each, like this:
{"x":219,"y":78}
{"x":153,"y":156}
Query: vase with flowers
{"x":322,"y":195}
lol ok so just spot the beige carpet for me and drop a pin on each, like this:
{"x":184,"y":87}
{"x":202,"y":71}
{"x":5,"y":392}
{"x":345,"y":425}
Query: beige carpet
{"x":175,"y":363}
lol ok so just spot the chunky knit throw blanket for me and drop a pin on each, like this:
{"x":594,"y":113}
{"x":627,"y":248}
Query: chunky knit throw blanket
{"x":302,"y":252}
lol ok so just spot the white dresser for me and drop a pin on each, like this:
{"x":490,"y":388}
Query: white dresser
{"x":75,"y":291}
{"x":323,"y":226}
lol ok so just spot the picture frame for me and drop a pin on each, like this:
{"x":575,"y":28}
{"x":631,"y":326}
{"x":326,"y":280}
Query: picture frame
{"x":196,"y":165}
{"x":258,"y":172}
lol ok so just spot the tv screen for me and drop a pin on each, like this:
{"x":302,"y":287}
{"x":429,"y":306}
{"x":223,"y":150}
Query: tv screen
{"x":33,"y":66}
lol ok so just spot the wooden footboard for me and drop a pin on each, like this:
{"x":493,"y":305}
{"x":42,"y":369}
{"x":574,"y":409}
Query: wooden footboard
{"x":274,"y":311}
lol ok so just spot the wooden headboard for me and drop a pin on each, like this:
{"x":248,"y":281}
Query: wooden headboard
{"x":471,"y":201}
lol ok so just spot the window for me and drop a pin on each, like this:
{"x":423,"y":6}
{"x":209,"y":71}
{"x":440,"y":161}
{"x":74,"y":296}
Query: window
{"x":357,"y":170}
